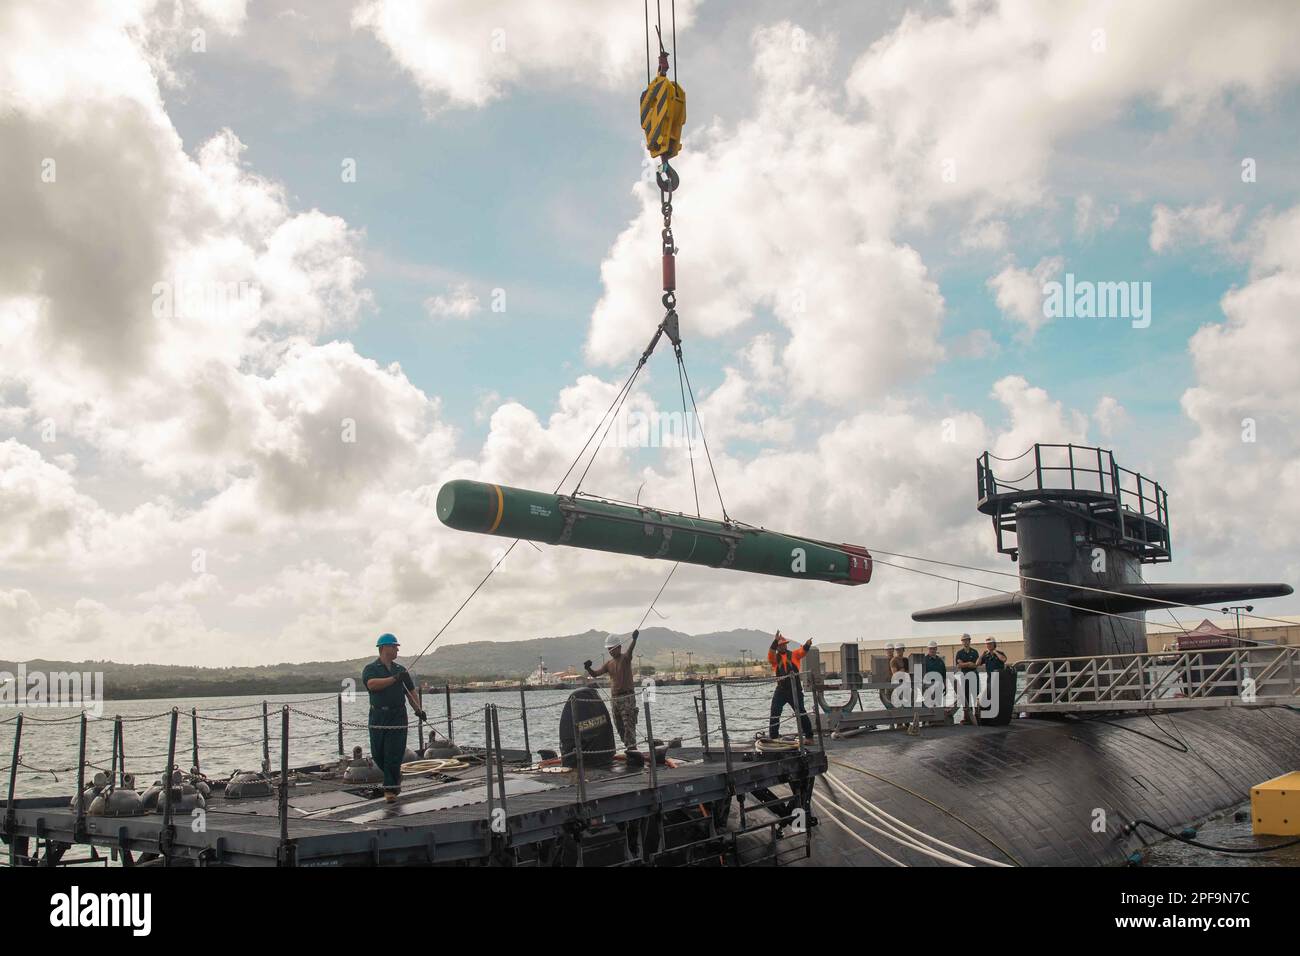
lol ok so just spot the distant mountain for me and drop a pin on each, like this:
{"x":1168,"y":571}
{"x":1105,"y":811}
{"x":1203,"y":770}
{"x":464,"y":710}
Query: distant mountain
{"x":479,"y":660}
{"x":656,"y":647}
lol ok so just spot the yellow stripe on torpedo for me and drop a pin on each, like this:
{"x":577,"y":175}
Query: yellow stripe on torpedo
{"x":501,"y":509}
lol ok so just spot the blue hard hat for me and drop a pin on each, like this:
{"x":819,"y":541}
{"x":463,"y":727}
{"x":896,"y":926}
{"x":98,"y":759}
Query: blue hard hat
{"x":385,"y":640}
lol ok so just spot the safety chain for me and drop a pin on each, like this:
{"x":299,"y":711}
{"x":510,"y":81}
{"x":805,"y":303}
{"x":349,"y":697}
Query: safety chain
{"x":352,"y":725}
{"x":742,"y":713}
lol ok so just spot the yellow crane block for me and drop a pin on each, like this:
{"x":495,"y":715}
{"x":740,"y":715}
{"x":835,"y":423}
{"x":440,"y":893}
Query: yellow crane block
{"x":663,"y":113}
{"x":1275,"y":806}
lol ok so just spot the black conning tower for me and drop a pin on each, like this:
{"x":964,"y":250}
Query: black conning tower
{"x":1070,"y":515}
{"x":1121,"y":509}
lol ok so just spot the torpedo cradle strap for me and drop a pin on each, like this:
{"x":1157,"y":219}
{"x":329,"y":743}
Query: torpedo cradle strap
{"x":598,"y":525}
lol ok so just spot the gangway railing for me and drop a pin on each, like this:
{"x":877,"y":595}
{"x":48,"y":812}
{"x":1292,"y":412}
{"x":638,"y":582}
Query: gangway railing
{"x":1258,"y":676}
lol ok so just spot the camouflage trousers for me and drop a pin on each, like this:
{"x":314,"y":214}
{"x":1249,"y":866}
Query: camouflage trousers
{"x":624,"y":708}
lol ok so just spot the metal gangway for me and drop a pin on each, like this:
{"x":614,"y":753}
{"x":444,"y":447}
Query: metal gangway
{"x":1260,"y":676}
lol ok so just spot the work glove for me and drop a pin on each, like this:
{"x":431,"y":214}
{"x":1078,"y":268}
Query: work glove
{"x":422,"y":715}
{"x":636,"y":634}
{"x":586,"y":665}
{"x":807,"y":644}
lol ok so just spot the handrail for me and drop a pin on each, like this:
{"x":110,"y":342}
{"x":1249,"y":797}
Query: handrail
{"x":1202,"y":675}
{"x":1133,"y":494}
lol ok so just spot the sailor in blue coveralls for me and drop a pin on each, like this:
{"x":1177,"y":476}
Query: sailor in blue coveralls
{"x":388,"y":683}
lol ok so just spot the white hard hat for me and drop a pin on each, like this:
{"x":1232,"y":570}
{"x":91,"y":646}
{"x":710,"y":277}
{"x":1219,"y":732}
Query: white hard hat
{"x":934,"y":644}
{"x":612,"y":641}
{"x":889,"y":647}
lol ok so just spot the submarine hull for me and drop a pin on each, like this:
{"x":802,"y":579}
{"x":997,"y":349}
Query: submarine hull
{"x":597,"y":525}
{"x":1053,"y":793}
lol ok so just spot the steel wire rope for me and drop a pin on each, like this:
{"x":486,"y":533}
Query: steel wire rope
{"x":1066,"y":584}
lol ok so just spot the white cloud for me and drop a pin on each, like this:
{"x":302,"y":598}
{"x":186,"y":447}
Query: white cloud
{"x":165,"y":308}
{"x":1019,"y":293}
{"x":1091,"y":218}
{"x":92,"y":630}
{"x":1208,"y":224}
{"x":162,"y":311}
{"x":460,"y":302}
{"x":182,"y":592}
{"x":227,"y":15}
{"x":976,"y":344}
{"x":1109,"y":416}
{"x":990,"y":235}
{"x":1239,"y":479}
{"x":1035,"y":417}
{"x":815,"y":252}
{"x":761,"y":360}
{"x":468,"y":54}
{"x":18,"y":612}
{"x":49,"y":523}
{"x":218,"y":427}
{"x":992,"y":88}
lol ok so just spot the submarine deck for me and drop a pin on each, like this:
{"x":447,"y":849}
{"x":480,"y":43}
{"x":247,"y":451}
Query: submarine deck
{"x":1050,"y":791}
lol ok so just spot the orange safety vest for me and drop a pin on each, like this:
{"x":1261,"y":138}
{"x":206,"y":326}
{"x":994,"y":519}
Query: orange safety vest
{"x":785,"y":662}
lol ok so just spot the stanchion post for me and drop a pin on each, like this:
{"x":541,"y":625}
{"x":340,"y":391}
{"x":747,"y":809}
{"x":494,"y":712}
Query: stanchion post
{"x":800,"y":713}
{"x":340,"y":722}
{"x":284,"y":775}
{"x":487,"y":758}
{"x":194,"y":737}
{"x":419,"y":695}
{"x":704,"y":720}
{"x":170,"y":771}
{"x":726,"y":738}
{"x":112,"y":766}
{"x":501,"y":764}
{"x":121,"y":748}
{"x":817,"y":717}
{"x":13,"y":779}
{"x":81,"y":775}
{"x":451,"y":734}
{"x":577,"y":746}
{"x":523,"y":713}
{"x":650,"y":736}
{"x":266,"y":740}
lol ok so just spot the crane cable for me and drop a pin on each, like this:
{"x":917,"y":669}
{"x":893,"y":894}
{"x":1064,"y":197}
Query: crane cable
{"x":668,"y":181}
{"x":613,"y":407}
{"x":663,"y":107}
{"x":1021,"y":594}
{"x":1065,"y":584}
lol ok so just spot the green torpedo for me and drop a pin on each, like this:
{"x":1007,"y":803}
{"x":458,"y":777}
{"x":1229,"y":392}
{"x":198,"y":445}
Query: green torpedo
{"x":599,"y":525}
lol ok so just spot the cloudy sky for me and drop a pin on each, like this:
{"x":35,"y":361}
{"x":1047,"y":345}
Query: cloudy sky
{"x":271,"y":272}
